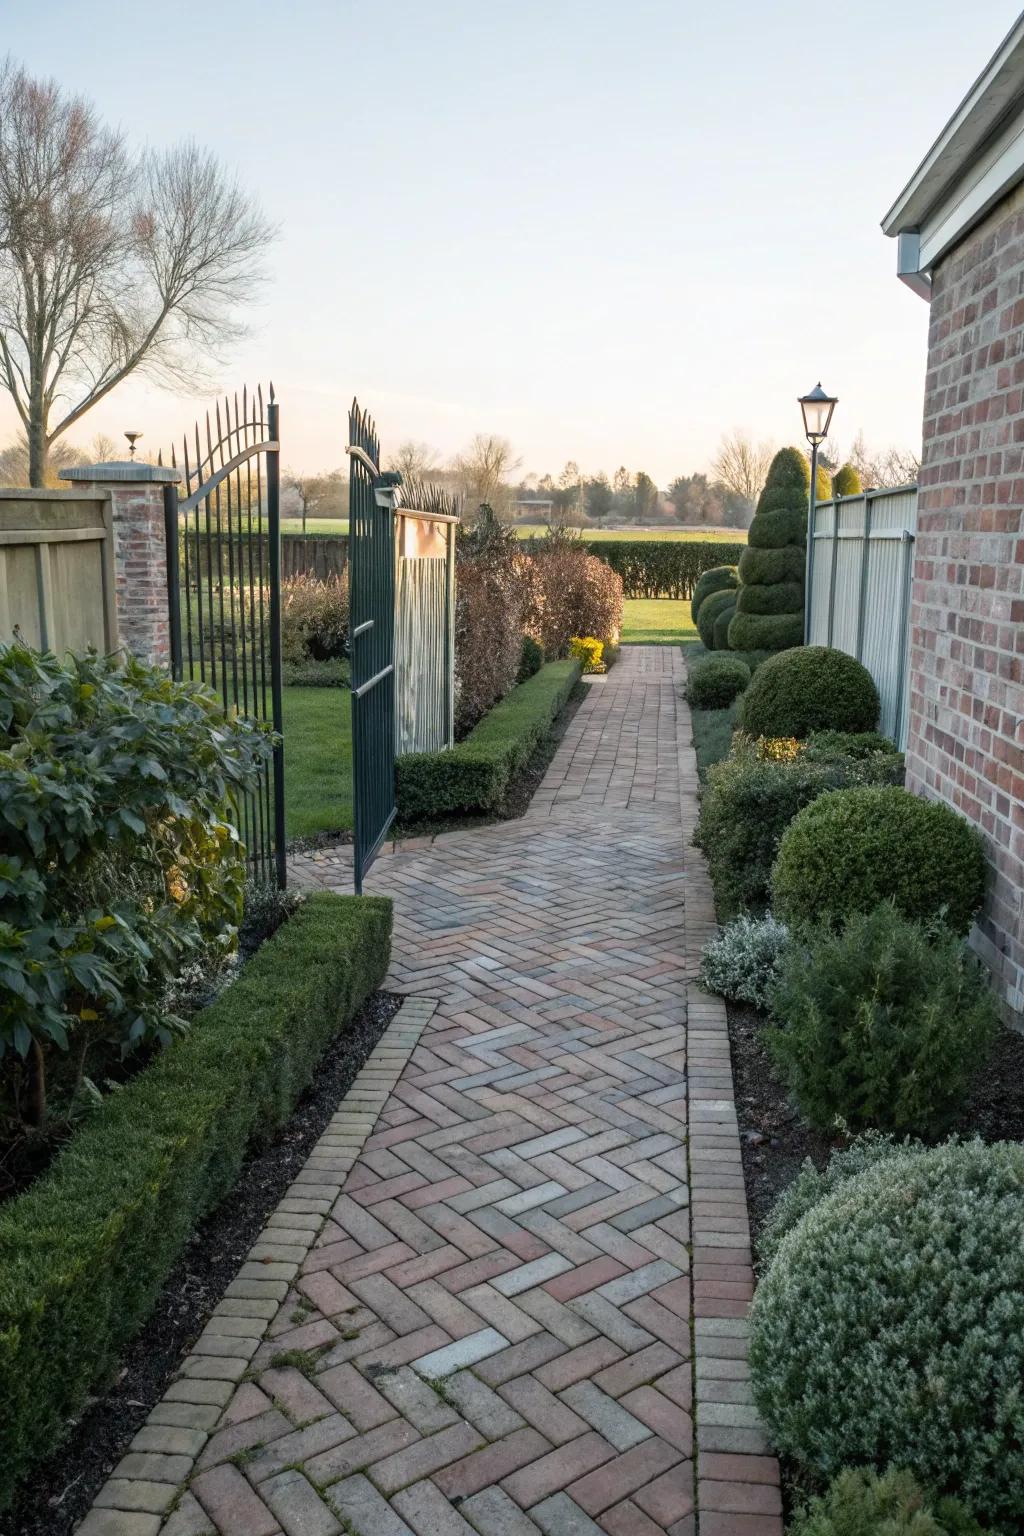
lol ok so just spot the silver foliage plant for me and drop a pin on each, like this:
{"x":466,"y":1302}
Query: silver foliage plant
{"x":742,"y":963}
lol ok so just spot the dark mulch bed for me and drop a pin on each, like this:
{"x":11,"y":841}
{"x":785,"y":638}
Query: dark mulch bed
{"x":776,"y":1141}
{"x":63,"y":1488}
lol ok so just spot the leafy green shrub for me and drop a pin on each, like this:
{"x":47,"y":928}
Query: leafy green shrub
{"x":824,"y":746}
{"x":749,"y":801}
{"x":713,"y":605}
{"x":494,"y":599}
{"x":846,"y":481}
{"x":314,"y":619}
{"x":85,"y":1251}
{"x":850,"y":851}
{"x":531,"y":658}
{"x":882,"y":1025}
{"x":812,"y":688}
{"x":812,"y":1184}
{"x":889,"y":1327}
{"x":720,"y":578}
{"x":720,"y":632}
{"x":119,"y":858}
{"x":742,"y":962}
{"x":716,"y":681}
{"x":474,"y":776}
{"x":663,"y":567}
{"x":861,"y":1503}
{"x":770,"y":600}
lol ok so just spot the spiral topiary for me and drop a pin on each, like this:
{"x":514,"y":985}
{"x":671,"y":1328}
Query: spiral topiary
{"x":810,"y":688}
{"x":848,"y":851}
{"x":889,"y":1327}
{"x":720,"y":632}
{"x":720,"y":578}
{"x":714,"y":604}
{"x":773,"y":589}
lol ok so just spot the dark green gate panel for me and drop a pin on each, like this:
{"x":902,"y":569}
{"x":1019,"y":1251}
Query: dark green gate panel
{"x":372,"y":628}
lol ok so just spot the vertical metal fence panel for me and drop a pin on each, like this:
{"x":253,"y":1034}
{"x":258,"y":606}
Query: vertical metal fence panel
{"x":372,"y":629}
{"x":224,"y":592}
{"x":861,"y":586}
{"x":424,"y":620}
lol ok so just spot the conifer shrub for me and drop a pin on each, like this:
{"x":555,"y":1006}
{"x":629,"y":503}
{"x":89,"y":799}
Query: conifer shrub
{"x":888,"y":1329}
{"x":810,"y":688}
{"x":742,"y":962}
{"x":720,"y":631}
{"x":713,"y":605}
{"x":882,"y":1025}
{"x":720,"y":578}
{"x":812,"y":1184}
{"x":846,"y":482}
{"x":849,"y":851}
{"x":860,"y":1502}
{"x":780,"y":523}
{"x":716,"y":681}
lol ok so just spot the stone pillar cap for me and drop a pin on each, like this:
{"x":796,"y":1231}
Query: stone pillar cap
{"x":126,"y":471}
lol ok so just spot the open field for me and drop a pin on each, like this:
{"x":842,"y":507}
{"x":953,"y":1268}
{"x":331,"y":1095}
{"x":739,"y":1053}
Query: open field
{"x":318,"y":760}
{"x":322,"y":525}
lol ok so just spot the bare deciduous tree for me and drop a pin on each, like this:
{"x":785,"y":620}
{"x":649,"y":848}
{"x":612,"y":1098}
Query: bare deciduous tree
{"x":484,"y":469}
{"x":14,"y":466}
{"x":414,"y":461}
{"x":742,"y":465}
{"x":109,"y":261}
{"x":880,"y":471}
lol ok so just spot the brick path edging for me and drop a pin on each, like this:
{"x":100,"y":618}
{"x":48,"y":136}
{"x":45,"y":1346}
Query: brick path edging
{"x":142,"y":1489}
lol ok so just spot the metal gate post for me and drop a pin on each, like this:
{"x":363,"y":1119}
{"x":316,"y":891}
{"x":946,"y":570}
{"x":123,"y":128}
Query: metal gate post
{"x":173,"y":578}
{"x":276,"y":694}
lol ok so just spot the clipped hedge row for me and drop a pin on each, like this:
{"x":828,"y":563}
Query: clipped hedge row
{"x":474,"y":775}
{"x":663,"y":567}
{"x":85,"y":1251}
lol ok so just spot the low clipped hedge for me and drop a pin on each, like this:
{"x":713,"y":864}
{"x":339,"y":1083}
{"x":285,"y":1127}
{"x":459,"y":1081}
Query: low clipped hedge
{"x":85,"y":1251}
{"x":811,"y":688}
{"x":663,"y":567}
{"x":720,"y":578}
{"x":716,"y":681}
{"x":474,"y":776}
{"x":889,"y":1327}
{"x":849,"y":851}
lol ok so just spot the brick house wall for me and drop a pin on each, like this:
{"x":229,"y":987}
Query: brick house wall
{"x":966,"y":741}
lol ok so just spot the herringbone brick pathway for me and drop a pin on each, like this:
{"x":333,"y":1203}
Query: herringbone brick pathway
{"x":539,"y":1257}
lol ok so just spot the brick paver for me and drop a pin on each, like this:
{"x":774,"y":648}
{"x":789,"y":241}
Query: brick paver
{"x":525,"y":1236}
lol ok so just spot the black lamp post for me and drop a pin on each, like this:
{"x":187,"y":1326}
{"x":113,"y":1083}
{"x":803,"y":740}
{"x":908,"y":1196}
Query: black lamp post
{"x":817,"y":408}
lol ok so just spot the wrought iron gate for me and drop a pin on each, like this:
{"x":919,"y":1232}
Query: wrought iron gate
{"x":372,"y":628}
{"x":223,"y":528}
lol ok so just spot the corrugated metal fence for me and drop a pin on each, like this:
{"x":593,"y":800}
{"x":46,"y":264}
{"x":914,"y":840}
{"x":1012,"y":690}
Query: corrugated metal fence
{"x":862,"y":562}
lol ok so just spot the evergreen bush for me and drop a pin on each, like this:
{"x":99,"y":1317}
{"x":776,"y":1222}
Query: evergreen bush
{"x":812,"y":1184}
{"x":881,"y":1026}
{"x":860,"y":1502}
{"x":889,"y":1327}
{"x":716,"y":681}
{"x":742,"y":962}
{"x":846,"y":482}
{"x":811,"y":688}
{"x":663,"y":567}
{"x":531,"y":658}
{"x":849,"y":851}
{"x":720,"y":578}
{"x":720,"y":629}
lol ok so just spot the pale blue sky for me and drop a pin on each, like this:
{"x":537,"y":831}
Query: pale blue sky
{"x":609,"y":231}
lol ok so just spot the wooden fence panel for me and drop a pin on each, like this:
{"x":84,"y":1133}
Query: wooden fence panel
{"x":57,"y":586}
{"x":859,"y":601}
{"x":324,"y":557}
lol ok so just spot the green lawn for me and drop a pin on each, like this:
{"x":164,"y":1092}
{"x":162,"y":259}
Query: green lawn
{"x":318,"y":760}
{"x":537,"y":530}
{"x":656,"y":621}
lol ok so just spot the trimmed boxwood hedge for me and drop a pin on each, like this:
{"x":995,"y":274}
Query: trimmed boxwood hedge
{"x":812,"y":688}
{"x":474,"y":775}
{"x":720,"y":629}
{"x":85,"y":1251}
{"x":663,"y":567}
{"x":710,"y":610}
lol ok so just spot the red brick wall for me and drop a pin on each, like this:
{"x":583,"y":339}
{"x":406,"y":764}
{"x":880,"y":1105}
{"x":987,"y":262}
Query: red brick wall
{"x":966,"y":741}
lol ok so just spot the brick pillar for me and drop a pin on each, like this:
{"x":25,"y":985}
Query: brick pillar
{"x":136,"y":494}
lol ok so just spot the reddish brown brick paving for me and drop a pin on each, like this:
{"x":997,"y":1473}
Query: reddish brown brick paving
{"x":500,"y":1261}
